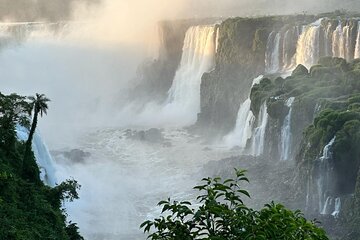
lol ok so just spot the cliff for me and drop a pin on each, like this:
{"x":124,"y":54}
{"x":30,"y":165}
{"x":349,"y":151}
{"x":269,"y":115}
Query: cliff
{"x":240,"y":57}
{"x":28,"y":208}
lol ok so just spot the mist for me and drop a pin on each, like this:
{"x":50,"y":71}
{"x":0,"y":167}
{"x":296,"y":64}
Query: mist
{"x":87,"y":67}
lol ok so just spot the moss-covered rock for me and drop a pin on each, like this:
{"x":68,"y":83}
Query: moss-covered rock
{"x":300,"y":70}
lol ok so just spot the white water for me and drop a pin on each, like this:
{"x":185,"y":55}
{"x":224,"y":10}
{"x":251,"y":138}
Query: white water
{"x":341,"y":41}
{"x":124,"y":179}
{"x":332,"y":206}
{"x":337,"y":207}
{"x":288,"y":61}
{"x":328,"y":206}
{"x":244,"y":123}
{"x":324,"y":179}
{"x":217,"y":39}
{"x":42,"y":156}
{"x":286,"y":132}
{"x":258,"y":139}
{"x":307,"y":50}
{"x":197,"y":58}
{"x":328,"y":40}
{"x":272,"y":61}
{"x":357,"y":46}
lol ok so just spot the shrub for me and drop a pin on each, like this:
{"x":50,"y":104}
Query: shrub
{"x":222,"y":215}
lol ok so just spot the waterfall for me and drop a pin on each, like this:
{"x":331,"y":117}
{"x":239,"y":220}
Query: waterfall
{"x":244,"y":123}
{"x":357,"y":46}
{"x":337,"y":41}
{"x":217,"y":39}
{"x":286,"y":132}
{"x":258,"y":139}
{"x":337,"y":207}
{"x":287,"y":46}
{"x":308,"y":46}
{"x":328,"y":40}
{"x":42,"y":156}
{"x":198,"y":57}
{"x":324,"y":178}
{"x":328,"y":206}
{"x":272,"y":55}
{"x":243,"y":128}
{"x":341,"y":41}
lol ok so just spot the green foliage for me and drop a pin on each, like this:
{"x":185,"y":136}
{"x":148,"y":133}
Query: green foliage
{"x":29,"y":210}
{"x":72,"y":231}
{"x":222,"y":215}
{"x":29,"y":168}
{"x":300,"y":70}
{"x":259,"y":92}
{"x":14,"y":109}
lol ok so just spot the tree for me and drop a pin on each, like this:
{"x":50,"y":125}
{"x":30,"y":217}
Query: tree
{"x":39,"y":106}
{"x":14,"y":109}
{"x":222,"y":215}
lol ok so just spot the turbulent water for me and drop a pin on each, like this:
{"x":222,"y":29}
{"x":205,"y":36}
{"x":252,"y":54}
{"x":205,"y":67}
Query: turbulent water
{"x":123,"y":178}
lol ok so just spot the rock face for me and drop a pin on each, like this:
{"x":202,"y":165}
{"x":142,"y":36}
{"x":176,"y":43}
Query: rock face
{"x":153,"y":135}
{"x":156,"y":74}
{"x":73,"y":156}
{"x":241,"y":56}
{"x":314,"y":123}
{"x":313,"y":116}
{"x":325,"y":135}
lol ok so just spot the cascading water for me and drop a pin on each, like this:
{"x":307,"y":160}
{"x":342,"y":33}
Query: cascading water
{"x":243,"y":128}
{"x":280,"y":50}
{"x":289,"y":47}
{"x":217,"y":39}
{"x":341,"y":41}
{"x":328,"y":40}
{"x":258,"y":139}
{"x":306,"y":44}
{"x":286,"y":132}
{"x":336,"y":212}
{"x":325,"y":180}
{"x":42,"y":156}
{"x":357,"y":45}
{"x":307,"y":50}
{"x":272,"y":61}
{"x":197,"y":58}
{"x":244,"y":123}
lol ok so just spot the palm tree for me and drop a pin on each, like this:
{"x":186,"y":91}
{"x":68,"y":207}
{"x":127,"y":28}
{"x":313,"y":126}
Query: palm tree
{"x":39,"y":105}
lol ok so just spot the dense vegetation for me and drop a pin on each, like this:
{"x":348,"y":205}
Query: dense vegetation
{"x":222,"y":215}
{"x":327,"y":106}
{"x":28,"y":208}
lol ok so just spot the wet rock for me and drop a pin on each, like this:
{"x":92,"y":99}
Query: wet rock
{"x":152,"y":135}
{"x":74,"y":155}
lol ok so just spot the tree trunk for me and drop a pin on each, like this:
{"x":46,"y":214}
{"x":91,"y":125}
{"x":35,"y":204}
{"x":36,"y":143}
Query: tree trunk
{"x":30,"y":169}
{"x":32,"y":130}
